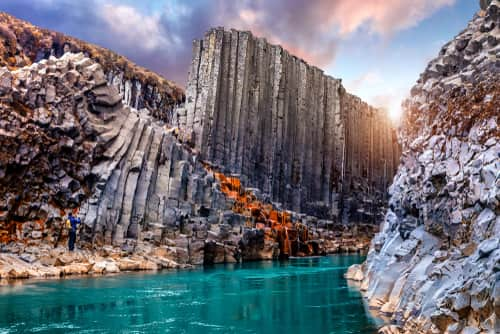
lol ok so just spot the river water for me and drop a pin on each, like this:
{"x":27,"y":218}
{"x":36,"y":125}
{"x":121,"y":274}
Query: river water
{"x":306,"y":295}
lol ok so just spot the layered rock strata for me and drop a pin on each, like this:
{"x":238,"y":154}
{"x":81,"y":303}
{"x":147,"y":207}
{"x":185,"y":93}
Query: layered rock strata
{"x":435,"y":265}
{"x":22,"y":43}
{"x":287,"y":128}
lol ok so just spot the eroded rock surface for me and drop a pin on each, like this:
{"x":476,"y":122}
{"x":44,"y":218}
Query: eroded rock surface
{"x":69,"y":143}
{"x":288,"y":129}
{"x":434,"y":267}
{"x":22,"y":44}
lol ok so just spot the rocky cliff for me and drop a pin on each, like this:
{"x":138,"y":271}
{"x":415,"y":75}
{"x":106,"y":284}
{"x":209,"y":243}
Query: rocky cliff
{"x":286,"y":127}
{"x":435,"y":265}
{"x":69,"y":143}
{"x":146,"y":200}
{"x":22,"y":43}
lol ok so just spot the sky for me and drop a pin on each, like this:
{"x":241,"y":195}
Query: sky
{"x":377,"y":47}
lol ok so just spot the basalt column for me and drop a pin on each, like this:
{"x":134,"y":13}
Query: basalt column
{"x":287,"y":128}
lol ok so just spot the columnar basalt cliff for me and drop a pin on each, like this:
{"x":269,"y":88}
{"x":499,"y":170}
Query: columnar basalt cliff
{"x":287,"y":128}
{"x":435,"y":265}
{"x":69,"y":143}
{"x":22,"y":43}
{"x":153,"y":196}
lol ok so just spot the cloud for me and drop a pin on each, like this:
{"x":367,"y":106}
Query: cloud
{"x":382,"y":16}
{"x":132,"y":28}
{"x":281,"y":23}
{"x":370,"y":78}
{"x":160,"y":39}
{"x":314,"y":29}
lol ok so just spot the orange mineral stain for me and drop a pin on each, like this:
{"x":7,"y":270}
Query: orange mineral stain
{"x":292,"y":236}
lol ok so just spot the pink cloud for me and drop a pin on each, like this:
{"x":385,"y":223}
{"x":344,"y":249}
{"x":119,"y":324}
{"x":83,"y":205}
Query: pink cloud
{"x":383,"y":16}
{"x":313,"y":29}
{"x":161,"y":38}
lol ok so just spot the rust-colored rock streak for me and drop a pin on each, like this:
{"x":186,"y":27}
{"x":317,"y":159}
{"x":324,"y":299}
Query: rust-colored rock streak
{"x":292,"y":236}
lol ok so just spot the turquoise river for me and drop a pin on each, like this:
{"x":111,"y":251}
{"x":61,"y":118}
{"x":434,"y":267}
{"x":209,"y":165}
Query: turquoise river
{"x":306,"y":295}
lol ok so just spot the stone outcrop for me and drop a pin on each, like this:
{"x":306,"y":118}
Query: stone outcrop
{"x":22,"y":44}
{"x":72,"y":139}
{"x":46,"y":262}
{"x":271,"y":232}
{"x":69,"y":143}
{"x":287,"y":128}
{"x":435,"y":265}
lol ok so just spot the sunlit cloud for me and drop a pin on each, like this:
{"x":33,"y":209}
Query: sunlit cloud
{"x":133,"y":28}
{"x":160,"y":38}
{"x":382,"y":16}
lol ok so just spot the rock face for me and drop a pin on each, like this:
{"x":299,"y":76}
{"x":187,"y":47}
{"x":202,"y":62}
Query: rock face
{"x":434,"y":267}
{"x":21,"y":44}
{"x":287,"y":128}
{"x":69,"y":143}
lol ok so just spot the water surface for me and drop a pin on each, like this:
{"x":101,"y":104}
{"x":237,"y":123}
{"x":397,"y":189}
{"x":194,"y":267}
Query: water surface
{"x":297,"y":296}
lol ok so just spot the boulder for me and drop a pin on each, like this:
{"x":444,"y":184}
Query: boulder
{"x":442,"y":318}
{"x":488,"y":246}
{"x":355,"y":273}
{"x":76,"y":269}
{"x":64,"y":259}
{"x":132,"y":264}
{"x":105,"y":267}
{"x":483,"y":222}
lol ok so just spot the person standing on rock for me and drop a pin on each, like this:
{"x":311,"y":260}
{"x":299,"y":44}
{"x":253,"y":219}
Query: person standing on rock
{"x":71,"y":224}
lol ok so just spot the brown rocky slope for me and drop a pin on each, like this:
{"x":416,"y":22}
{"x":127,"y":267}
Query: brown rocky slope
{"x":22,"y":44}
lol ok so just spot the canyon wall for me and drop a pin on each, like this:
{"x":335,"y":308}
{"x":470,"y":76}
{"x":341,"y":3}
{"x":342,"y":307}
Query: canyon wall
{"x":435,"y":265}
{"x":146,"y":200}
{"x":287,"y":128}
{"x":151,"y":196}
{"x":22,"y":43}
{"x":68,"y":143}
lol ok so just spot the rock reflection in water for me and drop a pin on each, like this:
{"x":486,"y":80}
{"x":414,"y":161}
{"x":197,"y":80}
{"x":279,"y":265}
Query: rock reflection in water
{"x":295,"y":296}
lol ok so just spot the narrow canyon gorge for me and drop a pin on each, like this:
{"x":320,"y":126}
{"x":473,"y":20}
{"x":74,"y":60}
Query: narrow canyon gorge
{"x":144,"y":185}
{"x":262,"y":157}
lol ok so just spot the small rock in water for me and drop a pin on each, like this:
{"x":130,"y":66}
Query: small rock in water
{"x":355,"y":273}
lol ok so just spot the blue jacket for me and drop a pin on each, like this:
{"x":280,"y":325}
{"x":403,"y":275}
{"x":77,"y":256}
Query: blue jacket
{"x":74,"y":222}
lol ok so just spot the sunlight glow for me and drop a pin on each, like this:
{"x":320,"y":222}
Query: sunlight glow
{"x":395,"y":113}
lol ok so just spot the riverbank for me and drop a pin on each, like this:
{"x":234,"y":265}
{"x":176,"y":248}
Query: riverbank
{"x":59,"y":262}
{"x":297,"y":296}
{"x":44,"y":261}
